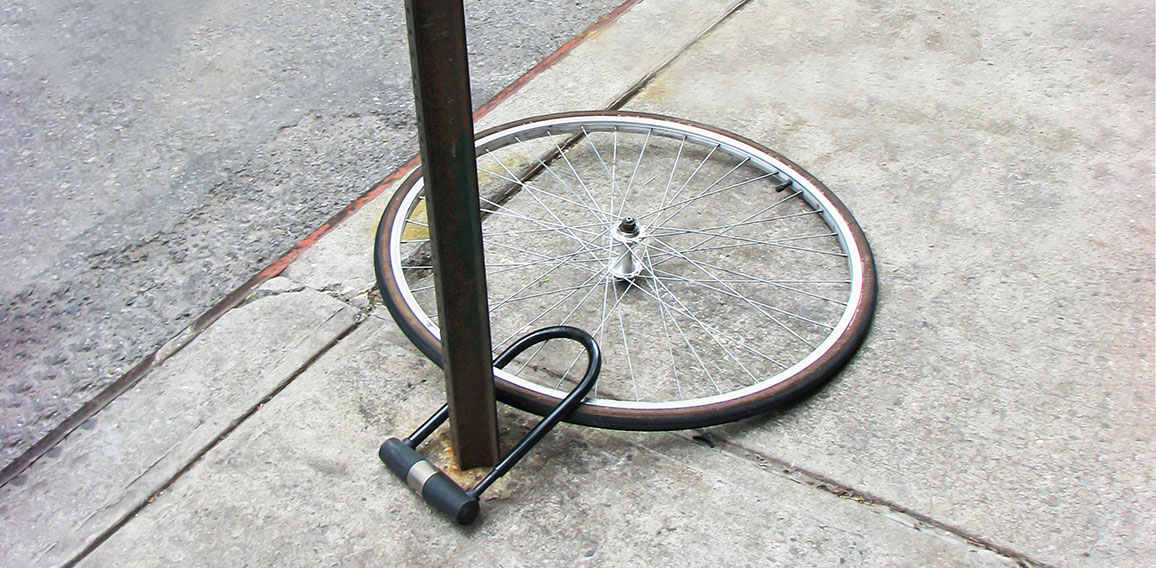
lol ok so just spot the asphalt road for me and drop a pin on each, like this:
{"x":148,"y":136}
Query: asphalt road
{"x":155,"y":155}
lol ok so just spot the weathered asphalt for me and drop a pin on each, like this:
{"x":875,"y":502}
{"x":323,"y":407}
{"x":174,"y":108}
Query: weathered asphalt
{"x":154,"y":156}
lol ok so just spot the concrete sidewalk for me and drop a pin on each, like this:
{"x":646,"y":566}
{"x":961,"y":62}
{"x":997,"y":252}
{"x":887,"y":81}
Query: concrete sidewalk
{"x":1001,"y":412}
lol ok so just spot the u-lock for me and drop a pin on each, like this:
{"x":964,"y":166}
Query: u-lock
{"x":434,"y":485}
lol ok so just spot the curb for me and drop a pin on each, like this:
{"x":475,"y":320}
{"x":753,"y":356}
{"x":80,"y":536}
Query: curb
{"x":235,"y":298}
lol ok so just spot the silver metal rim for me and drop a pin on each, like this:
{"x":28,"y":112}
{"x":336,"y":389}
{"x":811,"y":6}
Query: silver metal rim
{"x":641,"y":124}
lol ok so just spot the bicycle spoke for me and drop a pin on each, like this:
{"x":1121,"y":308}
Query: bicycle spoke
{"x":564,"y":321}
{"x":609,"y":174}
{"x":667,"y":232}
{"x":533,"y":196}
{"x":562,"y":154}
{"x":757,"y":305}
{"x":513,"y":178}
{"x":629,"y":183}
{"x":744,"y":269}
{"x":673,"y":168}
{"x":529,"y":283}
{"x":513,"y":233}
{"x":614,"y":169}
{"x":703,"y":284}
{"x":746,"y":221}
{"x":506,"y":211}
{"x":662,"y":314}
{"x":703,"y":194}
{"x":599,"y":213}
{"x":777,"y":244}
{"x":707,"y":329}
{"x":532,"y":253}
{"x":626,"y":348}
{"x":573,"y":290}
{"x":748,"y":278}
{"x":506,"y":267}
{"x":711,"y":330}
{"x":747,"y":242}
{"x":694,"y":173}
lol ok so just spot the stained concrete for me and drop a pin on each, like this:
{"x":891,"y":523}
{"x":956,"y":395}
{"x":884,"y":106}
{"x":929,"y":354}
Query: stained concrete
{"x":300,"y":484}
{"x":115,"y":463}
{"x":1000,"y":161}
{"x":344,"y":263}
{"x":154,"y":156}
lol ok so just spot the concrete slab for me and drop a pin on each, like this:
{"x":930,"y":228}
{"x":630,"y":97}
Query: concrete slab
{"x":593,"y":75}
{"x":610,"y":65}
{"x":210,"y":139}
{"x":300,"y":484}
{"x":1000,"y":160}
{"x":104,"y":472}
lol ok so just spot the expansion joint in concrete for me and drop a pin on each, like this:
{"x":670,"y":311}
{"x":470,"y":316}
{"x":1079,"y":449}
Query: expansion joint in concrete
{"x":642,"y":83}
{"x":894,"y":511}
{"x":225,"y":433}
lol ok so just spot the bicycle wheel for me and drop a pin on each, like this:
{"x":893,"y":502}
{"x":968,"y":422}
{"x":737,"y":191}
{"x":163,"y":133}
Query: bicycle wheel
{"x":719,"y":278}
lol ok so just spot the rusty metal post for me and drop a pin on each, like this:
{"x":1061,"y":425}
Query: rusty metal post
{"x":441,"y":84}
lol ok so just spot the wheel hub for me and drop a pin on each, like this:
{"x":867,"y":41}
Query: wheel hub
{"x":629,"y":250}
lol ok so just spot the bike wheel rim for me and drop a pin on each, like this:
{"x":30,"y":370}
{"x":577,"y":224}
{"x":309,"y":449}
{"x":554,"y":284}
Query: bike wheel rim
{"x":833,"y":213}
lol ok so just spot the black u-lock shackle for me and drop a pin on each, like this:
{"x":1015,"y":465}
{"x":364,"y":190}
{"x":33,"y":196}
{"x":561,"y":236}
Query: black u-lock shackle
{"x":434,"y":485}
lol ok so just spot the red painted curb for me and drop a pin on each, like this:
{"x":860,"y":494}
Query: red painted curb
{"x":553,"y":58}
{"x":279,"y":265}
{"x":275,"y":268}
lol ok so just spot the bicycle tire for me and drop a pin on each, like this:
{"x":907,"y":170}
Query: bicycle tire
{"x":768,"y":169}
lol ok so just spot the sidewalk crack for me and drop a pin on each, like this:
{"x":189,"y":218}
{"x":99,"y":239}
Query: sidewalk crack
{"x":101,"y":538}
{"x":641,"y":84}
{"x":892,"y":511}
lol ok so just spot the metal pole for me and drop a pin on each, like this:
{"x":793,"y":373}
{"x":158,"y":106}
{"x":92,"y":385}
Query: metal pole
{"x":441,"y":81}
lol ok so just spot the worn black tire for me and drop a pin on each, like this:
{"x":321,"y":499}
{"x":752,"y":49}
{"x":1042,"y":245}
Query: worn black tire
{"x":816,"y":372}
